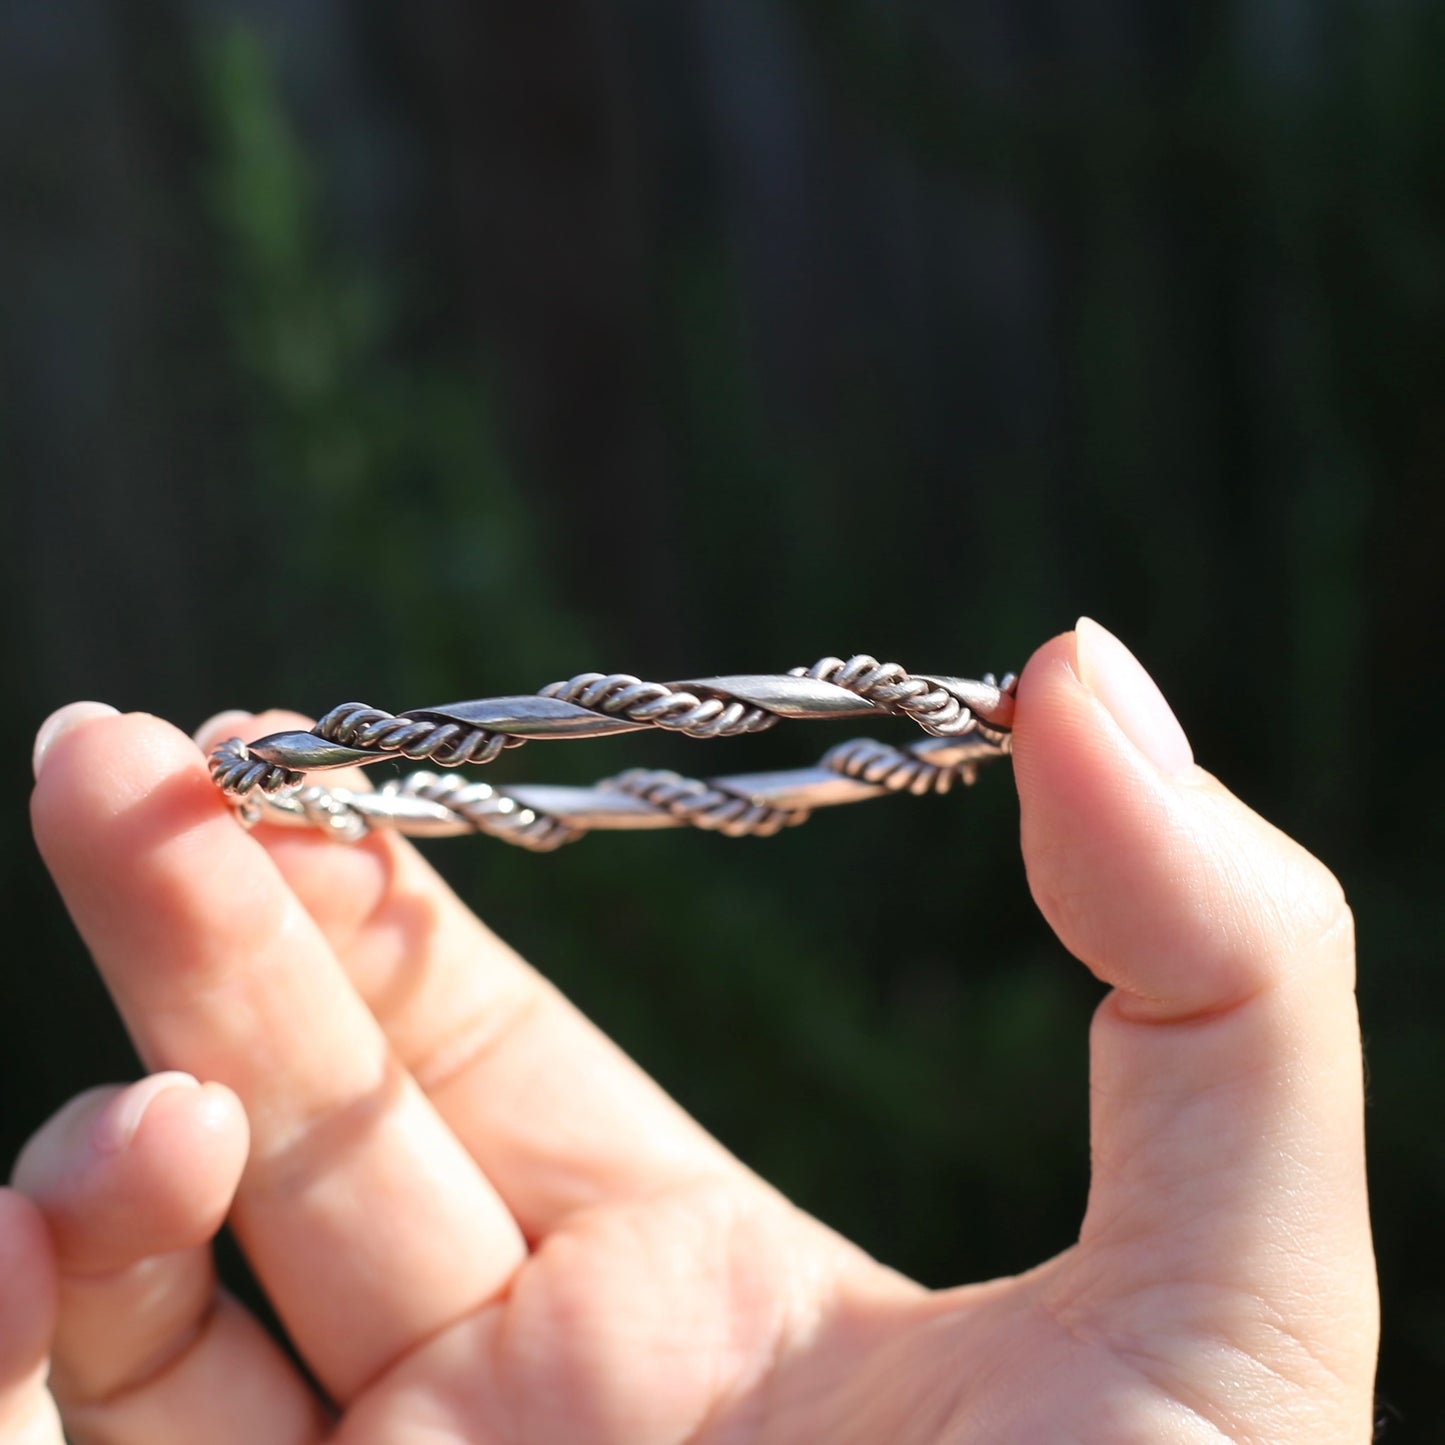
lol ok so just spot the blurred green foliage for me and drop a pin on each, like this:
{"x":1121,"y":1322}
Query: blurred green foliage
{"x":373,"y":466}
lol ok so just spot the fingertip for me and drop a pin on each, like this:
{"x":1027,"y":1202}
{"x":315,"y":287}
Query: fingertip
{"x":248,"y":725}
{"x":1053,"y":666}
{"x":229,"y":722}
{"x":1149,"y":870}
{"x":1084,"y":693}
{"x":128,"y":822}
{"x":185,"y":1164}
{"x":119,"y":1118}
{"x":95,"y":764}
{"x":1118,"y":681}
{"x":61,"y":721}
{"x":1061,"y":736}
{"x":121,"y":1174}
{"x":1097,"y":819}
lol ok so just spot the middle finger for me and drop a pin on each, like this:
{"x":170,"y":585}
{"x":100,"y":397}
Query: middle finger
{"x":557,"y":1115}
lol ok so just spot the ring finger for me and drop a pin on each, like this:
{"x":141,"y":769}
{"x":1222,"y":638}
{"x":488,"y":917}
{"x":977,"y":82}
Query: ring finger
{"x":133,"y":1183}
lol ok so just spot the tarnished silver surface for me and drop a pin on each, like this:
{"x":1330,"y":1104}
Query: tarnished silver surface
{"x":968,"y":722}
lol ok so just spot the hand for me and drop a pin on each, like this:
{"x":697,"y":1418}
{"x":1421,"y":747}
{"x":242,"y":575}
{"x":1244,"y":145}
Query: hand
{"x":480,"y":1222}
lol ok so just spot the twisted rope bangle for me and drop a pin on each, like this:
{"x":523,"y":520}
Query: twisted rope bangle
{"x":967,"y":722}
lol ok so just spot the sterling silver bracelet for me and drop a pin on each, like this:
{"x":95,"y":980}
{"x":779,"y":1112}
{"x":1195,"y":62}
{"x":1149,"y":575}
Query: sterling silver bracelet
{"x":967,"y":723}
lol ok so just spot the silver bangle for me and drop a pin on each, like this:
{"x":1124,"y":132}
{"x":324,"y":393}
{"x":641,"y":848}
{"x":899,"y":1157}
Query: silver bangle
{"x":967,"y":722}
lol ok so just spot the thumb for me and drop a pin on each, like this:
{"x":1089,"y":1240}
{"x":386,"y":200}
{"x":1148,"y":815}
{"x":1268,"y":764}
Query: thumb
{"x":1228,"y":1192}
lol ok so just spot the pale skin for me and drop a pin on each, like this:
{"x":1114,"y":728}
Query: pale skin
{"x":480,"y":1222}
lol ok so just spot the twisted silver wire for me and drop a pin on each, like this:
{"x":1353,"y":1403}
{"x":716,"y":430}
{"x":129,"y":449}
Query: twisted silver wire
{"x":236,"y":773}
{"x":967,"y":722}
{"x":449,"y":744}
{"x":486,"y":809}
{"x":662,"y":704}
{"x":895,"y":768}
{"x":705,"y":804}
{"x":934,"y":709}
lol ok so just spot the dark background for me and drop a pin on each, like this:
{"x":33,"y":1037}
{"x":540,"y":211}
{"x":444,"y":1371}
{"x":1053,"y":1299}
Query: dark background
{"x":438,"y":350}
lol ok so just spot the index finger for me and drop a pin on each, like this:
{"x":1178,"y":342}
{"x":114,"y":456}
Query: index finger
{"x":367,"y":1223}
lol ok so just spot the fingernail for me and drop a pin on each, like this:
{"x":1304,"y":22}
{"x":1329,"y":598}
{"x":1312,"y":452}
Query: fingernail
{"x":216,"y":729}
{"x":58,"y":722}
{"x":116,"y":1124}
{"x":1113,"y":674}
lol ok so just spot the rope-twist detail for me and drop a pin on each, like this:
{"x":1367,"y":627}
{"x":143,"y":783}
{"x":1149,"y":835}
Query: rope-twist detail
{"x":487,"y":809}
{"x":935,"y":710}
{"x":449,"y":745}
{"x":704,"y":805}
{"x":895,"y":768}
{"x":236,"y":772}
{"x":619,"y":694}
